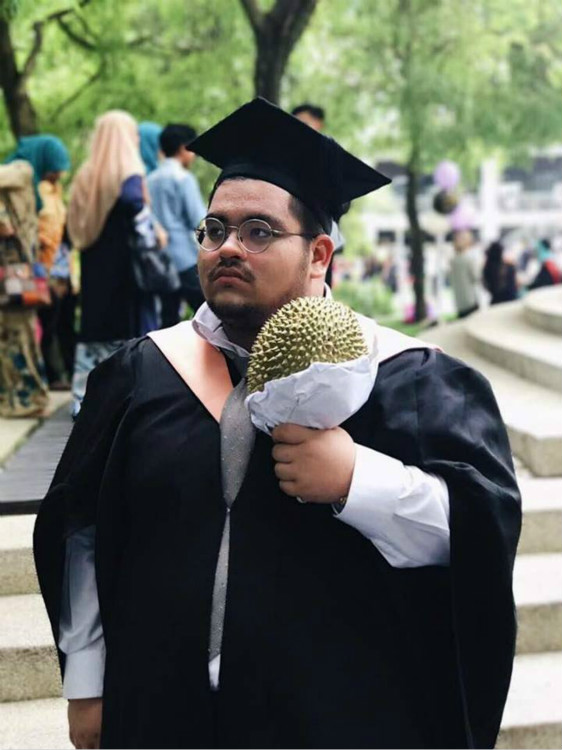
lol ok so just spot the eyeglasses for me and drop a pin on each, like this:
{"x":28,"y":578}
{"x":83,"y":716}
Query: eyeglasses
{"x":255,"y":235}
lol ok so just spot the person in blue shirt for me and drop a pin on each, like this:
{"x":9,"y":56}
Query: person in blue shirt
{"x":178,"y":206}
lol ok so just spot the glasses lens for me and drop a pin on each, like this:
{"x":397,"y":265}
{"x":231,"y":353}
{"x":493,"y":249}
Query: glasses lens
{"x":255,"y":235}
{"x":210,"y":234}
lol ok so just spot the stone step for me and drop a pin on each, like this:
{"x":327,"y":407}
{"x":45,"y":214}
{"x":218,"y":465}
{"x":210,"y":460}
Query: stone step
{"x":543,"y":309}
{"x":541,"y":533}
{"x":542,"y":515}
{"x":533,"y":713}
{"x":532,"y":413}
{"x":532,"y":717}
{"x":17,"y":571}
{"x":28,"y":664}
{"x":38,"y":724}
{"x":28,"y":660}
{"x":503,"y":335}
{"x":537,"y":585}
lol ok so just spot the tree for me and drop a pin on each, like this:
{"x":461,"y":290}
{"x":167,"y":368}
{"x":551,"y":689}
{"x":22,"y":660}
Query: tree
{"x":276,"y":34}
{"x":172,"y":61}
{"x":13,"y":78}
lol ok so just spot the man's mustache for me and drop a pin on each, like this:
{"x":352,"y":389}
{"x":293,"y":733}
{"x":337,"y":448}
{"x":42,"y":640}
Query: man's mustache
{"x":233,"y":265}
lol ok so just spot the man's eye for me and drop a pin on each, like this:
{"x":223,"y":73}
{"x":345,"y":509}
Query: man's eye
{"x":260,"y":233}
{"x":214,"y":233}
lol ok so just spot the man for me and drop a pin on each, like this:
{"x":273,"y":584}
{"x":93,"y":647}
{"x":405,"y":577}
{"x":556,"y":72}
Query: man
{"x":311,"y":115}
{"x":376,"y":613}
{"x":314,"y":117}
{"x":178,"y":206}
{"x":465,"y":274}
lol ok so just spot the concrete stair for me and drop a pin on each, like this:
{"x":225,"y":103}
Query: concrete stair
{"x":542,"y":516}
{"x":533,"y":713}
{"x":532,"y":412}
{"x":32,"y":715}
{"x":504,"y":335}
{"x":543,"y":309}
{"x":37,"y":724}
{"x":17,"y":571}
{"x":28,"y":663}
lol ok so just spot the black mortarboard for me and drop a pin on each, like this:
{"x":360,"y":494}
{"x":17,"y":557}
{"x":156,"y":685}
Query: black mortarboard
{"x":263,"y":142}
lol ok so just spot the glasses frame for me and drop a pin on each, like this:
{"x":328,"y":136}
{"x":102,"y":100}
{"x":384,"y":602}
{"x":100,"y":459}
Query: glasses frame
{"x":276,"y":235}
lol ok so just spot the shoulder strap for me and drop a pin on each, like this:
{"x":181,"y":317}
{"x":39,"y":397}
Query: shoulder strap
{"x":388,"y":341}
{"x":201,"y":366}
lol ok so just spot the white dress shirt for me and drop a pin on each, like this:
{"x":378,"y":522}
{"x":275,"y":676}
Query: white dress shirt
{"x":402,"y":510}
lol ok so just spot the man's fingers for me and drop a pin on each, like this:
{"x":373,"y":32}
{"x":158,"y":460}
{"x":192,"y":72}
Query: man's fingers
{"x":289,"y":488}
{"x":290,"y":433}
{"x":283,"y":453}
{"x":285,"y":472}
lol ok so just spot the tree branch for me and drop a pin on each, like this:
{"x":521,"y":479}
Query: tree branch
{"x":74,"y":37}
{"x":254,"y":14}
{"x":58,"y":15}
{"x":78,"y":93}
{"x":31,"y":60}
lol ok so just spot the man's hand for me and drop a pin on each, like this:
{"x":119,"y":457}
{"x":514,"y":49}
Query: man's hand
{"x":315,"y":465}
{"x":84,"y":722}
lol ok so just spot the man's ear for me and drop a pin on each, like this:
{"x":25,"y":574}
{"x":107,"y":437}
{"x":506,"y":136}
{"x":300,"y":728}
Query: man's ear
{"x":322,"y":251}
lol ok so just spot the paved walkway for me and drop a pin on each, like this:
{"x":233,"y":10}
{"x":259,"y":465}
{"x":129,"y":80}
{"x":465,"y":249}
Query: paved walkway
{"x":29,"y":452}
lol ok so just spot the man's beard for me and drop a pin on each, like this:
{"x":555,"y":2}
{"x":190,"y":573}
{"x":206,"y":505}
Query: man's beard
{"x":250,"y":317}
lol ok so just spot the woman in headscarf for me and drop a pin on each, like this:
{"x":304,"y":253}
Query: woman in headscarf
{"x":49,"y":158}
{"x":149,"y":133}
{"x":23,"y":386}
{"x":106,"y":195}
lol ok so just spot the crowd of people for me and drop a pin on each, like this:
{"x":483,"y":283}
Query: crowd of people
{"x":82,"y":252}
{"x":503,"y":279}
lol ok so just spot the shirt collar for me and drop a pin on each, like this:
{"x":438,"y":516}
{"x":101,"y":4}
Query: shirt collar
{"x":172,"y":163}
{"x":207,"y":325}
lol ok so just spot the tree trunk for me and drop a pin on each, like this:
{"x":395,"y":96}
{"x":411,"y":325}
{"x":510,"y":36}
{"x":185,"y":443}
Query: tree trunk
{"x":276,"y":34}
{"x":416,"y":240}
{"x":271,"y":60}
{"x":22,"y":115}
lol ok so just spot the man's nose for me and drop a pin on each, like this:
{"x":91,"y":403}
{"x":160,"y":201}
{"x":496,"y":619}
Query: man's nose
{"x":232,"y":247}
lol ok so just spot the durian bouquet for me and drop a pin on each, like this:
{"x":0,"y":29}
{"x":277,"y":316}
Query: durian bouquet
{"x":311,"y":364}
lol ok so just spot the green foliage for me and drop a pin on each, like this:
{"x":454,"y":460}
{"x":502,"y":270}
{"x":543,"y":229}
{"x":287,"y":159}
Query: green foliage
{"x":438,"y":78}
{"x":171,"y":61}
{"x":370,"y":297}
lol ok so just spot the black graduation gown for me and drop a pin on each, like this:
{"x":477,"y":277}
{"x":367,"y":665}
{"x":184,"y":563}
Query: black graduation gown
{"x":325,"y":644}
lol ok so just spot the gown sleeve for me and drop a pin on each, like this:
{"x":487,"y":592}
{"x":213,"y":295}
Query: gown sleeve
{"x":80,"y":630}
{"x":462,"y":438}
{"x":71,"y":502}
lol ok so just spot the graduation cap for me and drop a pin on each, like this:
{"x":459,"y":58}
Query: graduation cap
{"x":262,"y":142}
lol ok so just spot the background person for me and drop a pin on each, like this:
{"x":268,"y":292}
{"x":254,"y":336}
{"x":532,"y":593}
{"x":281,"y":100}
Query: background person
{"x":178,"y":206}
{"x":106,"y":194}
{"x":499,"y":276}
{"x":464,"y":275}
{"x":49,"y":158}
{"x":23,"y":383}
{"x":549,"y":272}
{"x":149,"y":134}
{"x":315,"y":117}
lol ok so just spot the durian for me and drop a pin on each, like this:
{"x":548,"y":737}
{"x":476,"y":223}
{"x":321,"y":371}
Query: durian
{"x":305,"y":330}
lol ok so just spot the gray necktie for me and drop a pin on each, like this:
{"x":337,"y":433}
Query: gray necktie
{"x":237,"y":442}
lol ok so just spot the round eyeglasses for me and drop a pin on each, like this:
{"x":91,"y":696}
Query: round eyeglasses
{"x":255,"y":235}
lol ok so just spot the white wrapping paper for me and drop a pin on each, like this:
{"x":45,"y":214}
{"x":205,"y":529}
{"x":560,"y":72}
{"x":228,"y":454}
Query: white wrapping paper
{"x":322,"y":396}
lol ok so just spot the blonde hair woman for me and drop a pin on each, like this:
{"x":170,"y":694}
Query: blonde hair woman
{"x":107,"y":193}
